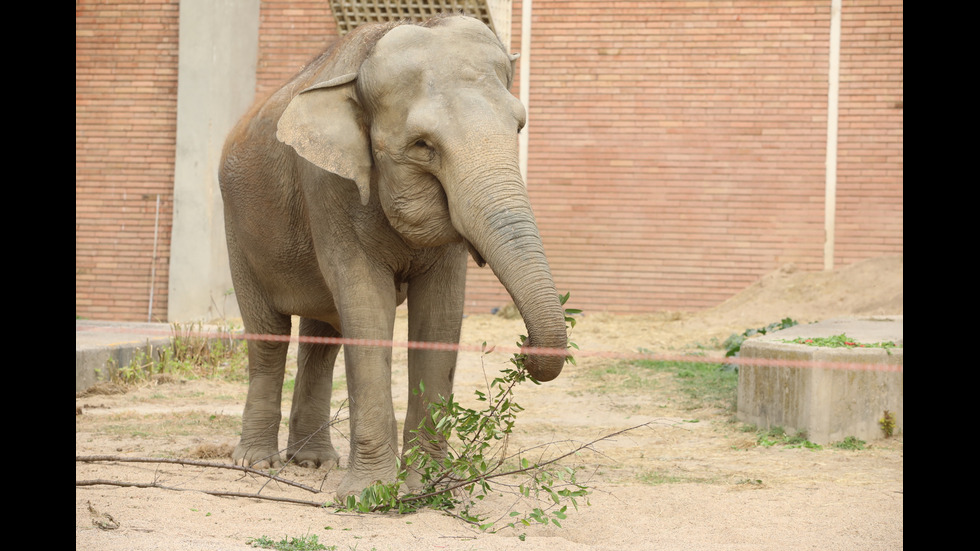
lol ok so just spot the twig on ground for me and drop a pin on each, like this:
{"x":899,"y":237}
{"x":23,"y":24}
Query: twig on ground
{"x":119,"y":459}
{"x":102,"y":482}
{"x":463,"y":483}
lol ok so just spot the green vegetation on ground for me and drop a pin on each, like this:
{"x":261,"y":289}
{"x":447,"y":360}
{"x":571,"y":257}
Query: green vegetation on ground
{"x":733,"y":344}
{"x":840,"y":341}
{"x":304,"y":543}
{"x":194,"y":352}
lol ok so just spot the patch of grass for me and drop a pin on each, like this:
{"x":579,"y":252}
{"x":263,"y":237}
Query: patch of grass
{"x":850,"y":443}
{"x":777,"y":436}
{"x":194,"y":353}
{"x":841,"y":341}
{"x":655,"y":478}
{"x":209,"y":355}
{"x":305,"y":543}
{"x":705,"y":384}
{"x":624,"y":377}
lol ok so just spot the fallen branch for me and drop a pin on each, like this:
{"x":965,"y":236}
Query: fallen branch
{"x":118,"y":459}
{"x":456,"y":484}
{"x":404,"y":499}
{"x":102,"y":482}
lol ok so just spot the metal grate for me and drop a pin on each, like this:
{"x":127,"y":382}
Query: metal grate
{"x":352,"y":13}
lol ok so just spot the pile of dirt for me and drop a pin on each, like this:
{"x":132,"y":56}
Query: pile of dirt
{"x":869,"y":288}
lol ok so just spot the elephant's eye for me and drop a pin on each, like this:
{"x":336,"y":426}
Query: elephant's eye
{"x":421,"y":150}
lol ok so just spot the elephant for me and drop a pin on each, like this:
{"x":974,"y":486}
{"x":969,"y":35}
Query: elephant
{"x":368,"y":179}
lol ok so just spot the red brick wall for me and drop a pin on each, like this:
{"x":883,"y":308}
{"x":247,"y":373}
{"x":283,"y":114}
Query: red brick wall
{"x":667,"y":139}
{"x":677,"y":147}
{"x":291,"y":34}
{"x":870,"y":178}
{"x":125,"y":134}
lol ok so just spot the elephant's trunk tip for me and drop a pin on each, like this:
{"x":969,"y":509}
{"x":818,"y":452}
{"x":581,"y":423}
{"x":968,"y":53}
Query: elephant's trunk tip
{"x":546,"y":364}
{"x":544,"y":375}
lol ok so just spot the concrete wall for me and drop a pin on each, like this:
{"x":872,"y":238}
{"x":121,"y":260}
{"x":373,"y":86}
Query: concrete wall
{"x":787,"y":390}
{"x":218,"y":52}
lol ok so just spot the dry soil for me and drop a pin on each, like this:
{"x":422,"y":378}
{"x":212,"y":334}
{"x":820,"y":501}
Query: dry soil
{"x":690,"y":479}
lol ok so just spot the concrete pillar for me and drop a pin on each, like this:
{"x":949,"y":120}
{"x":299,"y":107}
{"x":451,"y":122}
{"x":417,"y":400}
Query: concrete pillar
{"x":216,"y":85}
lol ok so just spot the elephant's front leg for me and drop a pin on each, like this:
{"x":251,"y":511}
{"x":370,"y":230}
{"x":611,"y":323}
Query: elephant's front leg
{"x":435,"y":313}
{"x":369,"y":314}
{"x":309,"y":419}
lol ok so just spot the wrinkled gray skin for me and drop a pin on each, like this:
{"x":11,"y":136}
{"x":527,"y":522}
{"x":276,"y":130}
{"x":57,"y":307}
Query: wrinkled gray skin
{"x":364,"y":180}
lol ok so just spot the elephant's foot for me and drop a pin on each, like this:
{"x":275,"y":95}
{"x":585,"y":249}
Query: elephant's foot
{"x":355,"y":481}
{"x":413,"y":480}
{"x":314,"y":458}
{"x":257,"y":456}
{"x":414,"y":484}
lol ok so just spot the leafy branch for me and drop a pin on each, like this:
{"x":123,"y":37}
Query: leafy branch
{"x":476,"y":443}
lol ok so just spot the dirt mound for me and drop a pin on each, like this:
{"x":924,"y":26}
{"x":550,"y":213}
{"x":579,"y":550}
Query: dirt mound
{"x":870,"y":287}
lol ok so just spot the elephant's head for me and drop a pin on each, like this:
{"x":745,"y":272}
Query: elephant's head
{"x":422,"y":115}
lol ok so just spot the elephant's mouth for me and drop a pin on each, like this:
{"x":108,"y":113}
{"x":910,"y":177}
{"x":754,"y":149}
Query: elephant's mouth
{"x":477,"y":257}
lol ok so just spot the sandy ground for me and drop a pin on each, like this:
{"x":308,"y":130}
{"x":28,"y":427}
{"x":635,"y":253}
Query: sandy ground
{"x":691,"y":479}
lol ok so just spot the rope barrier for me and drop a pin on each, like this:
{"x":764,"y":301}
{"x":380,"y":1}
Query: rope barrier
{"x":487,"y":349}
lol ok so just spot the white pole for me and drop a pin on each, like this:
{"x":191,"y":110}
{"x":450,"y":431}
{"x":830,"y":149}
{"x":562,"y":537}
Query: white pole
{"x":153,"y":261}
{"x":830,"y":189}
{"x":525,"y":62}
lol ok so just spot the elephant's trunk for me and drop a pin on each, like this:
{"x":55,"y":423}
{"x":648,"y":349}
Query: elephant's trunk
{"x":490,"y":208}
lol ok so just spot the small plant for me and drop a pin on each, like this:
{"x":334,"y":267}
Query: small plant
{"x":840,"y":341}
{"x":476,"y":455}
{"x":193,"y":352}
{"x":139,"y":369}
{"x":777,"y":436}
{"x":197,"y":352}
{"x":733,"y":344}
{"x":850,"y":443}
{"x":305,"y":543}
{"x":887,"y":424}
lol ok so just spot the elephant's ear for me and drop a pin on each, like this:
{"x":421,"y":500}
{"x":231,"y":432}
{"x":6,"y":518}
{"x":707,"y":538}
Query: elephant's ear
{"x":322,"y":123}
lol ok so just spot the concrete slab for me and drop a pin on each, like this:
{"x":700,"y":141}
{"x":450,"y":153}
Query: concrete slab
{"x":101,"y":347}
{"x":828,"y":403}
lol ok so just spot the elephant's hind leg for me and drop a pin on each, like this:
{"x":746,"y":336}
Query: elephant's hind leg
{"x":309,"y":418}
{"x":259,"y":446}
